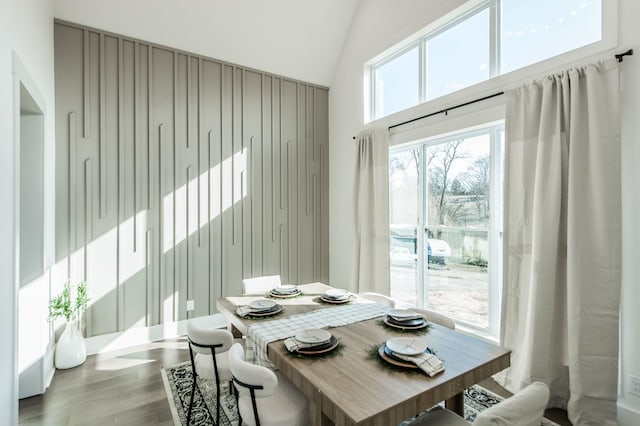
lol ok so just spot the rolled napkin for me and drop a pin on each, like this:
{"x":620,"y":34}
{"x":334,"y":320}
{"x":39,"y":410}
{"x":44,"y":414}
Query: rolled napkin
{"x":294,"y":344}
{"x":429,"y":363}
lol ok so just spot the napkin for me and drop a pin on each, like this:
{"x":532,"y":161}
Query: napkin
{"x":243,"y":311}
{"x":294,"y":344}
{"x":429,"y":363}
{"x":406,"y":317}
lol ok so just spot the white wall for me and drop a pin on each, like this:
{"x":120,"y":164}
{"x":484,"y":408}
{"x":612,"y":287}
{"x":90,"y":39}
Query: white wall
{"x":26,"y":28}
{"x":293,"y":38}
{"x":378,"y":25}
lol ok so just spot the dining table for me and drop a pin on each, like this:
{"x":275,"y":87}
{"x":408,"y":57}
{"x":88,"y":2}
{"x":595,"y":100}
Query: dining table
{"x":356,"y":387}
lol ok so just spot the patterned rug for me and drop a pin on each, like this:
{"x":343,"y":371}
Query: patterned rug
{"x":177,"y":383}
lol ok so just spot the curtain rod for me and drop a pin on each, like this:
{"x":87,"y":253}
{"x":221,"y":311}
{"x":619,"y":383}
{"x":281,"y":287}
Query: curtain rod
{"x":446,"y":110}
{"x":618,"y":56}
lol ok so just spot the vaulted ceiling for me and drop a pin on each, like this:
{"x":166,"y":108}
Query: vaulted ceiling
{"x":300,"y":39}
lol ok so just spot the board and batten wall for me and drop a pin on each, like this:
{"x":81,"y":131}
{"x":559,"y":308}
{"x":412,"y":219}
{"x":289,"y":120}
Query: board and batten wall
{"x":178,"y":175}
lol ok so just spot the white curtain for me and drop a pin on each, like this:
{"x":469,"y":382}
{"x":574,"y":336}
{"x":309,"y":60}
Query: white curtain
{"x":372,"y":213}
{"x":562,"y":239}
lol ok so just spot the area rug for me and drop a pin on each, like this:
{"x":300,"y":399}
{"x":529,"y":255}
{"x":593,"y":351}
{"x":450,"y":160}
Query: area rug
{"x":177,"y":383}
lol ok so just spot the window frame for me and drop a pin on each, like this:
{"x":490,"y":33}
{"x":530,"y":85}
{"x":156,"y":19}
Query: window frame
{"x":608,"y":40}
{"x":494,"y":230}
{"x":396,"y":55}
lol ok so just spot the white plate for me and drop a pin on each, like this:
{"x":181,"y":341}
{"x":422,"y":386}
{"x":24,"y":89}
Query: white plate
{"x":313,"y":335}
{"x":404,"y":314}
{"x":287,"y":288}
{"x":336,"y":293}
{"x":406,"y":345}
{"x":262,"y":304}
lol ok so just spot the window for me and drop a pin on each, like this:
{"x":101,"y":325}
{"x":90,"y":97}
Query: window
{"x":455,"y":59}
{"x":534,"y":31}
{"x":493,"y":38}
{"x":445,"y":201}
{"x":397,"y":82}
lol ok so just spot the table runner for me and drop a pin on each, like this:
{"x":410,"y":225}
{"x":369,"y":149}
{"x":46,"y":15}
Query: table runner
{"x":260,"y":335}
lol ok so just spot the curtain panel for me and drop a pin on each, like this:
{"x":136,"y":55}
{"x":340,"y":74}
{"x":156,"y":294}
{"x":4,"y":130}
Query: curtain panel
{"x":562,"y":239}
{"x":372,"y":213}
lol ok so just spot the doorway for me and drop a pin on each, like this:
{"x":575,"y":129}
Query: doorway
{"x":33,"y":331}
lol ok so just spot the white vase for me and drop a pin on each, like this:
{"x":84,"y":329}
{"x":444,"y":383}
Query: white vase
{"x":70,"y":350}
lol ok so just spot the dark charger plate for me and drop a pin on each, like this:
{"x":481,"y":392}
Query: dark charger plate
{"x":386,"y":354}
{"x":320,"y":349}
{"x":265,"y":313}
{"x":409,"y":323}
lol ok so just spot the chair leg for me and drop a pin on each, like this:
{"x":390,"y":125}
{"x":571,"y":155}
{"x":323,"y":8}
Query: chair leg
{"x":238,"y":408}
{"x":217,"y":402}
{"x":193,"y":391}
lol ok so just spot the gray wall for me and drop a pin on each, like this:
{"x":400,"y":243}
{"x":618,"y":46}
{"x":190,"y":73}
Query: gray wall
{"x":178,"y":175}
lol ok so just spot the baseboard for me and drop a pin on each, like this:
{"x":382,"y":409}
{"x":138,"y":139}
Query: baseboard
{"x":134,"y":336}
{"x":627,"y":416}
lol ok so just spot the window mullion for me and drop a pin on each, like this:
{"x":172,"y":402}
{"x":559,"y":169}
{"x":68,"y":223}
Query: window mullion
{"x":495,"y":261}
{"x":422,"y":278}
{"x":495,"y":35}
{"x":423,"y":70}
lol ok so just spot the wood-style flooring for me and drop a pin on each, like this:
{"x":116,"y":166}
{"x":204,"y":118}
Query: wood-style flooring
{"x":122,"y":387}
{"x":125,"y":387}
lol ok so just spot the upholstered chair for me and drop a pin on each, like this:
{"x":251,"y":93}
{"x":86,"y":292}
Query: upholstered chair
{"x":436,"y":317}
{"x":379,"y":298}
{"x":208,"y":350}
{"x":265,"y":397}
{"x":260,"y":285}
{"x":525,"y":408}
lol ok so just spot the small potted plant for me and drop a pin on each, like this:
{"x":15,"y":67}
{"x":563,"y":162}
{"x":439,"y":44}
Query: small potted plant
{"x":70,"y":349}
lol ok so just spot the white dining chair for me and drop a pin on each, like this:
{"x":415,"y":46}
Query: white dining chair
{"x":379,"y":298}
{"x":437,"y":318}
{"x":525,"y":408}
{"x":260,"y":285}
{"x":265,"y":397}
{"x":208,"y":351}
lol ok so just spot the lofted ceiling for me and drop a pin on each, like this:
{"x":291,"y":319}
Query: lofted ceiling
{"x":300,"y":39}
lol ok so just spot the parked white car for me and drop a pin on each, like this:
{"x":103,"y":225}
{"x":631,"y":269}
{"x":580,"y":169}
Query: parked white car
{"x":438,"y":251}
{"x":402,"y":256}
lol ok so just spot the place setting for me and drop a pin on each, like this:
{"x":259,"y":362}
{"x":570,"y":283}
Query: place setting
{"x":410,"y":353}
{"x":337,"y":296}
{"x":311,"y":341}
{"x":285,"y":291}
{"x":259,"y":308}
{"x":405,"y":320}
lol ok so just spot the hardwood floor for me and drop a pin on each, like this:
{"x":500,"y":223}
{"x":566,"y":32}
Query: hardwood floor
{"x":117,"y":388}
{"x":125,"y":387}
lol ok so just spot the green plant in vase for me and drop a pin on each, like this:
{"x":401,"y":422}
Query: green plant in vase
{"x":70,"y":350}
{"x":62,"y":305}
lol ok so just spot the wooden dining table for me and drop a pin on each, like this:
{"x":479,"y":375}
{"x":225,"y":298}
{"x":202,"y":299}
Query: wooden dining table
{"x":353,"y":387}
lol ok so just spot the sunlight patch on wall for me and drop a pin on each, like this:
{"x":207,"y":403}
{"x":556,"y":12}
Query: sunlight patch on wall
{"x":33,"y":312}
{"x":230,"y":177}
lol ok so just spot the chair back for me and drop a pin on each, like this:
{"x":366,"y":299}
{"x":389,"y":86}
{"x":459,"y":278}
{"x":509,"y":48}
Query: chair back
{"x":203,"y":339}
{"x":263,"y":380}
{"x":525,"y":408}
{"x":378,"y":298}
{"x":437,"y":318}
{"x":260,"y":285}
